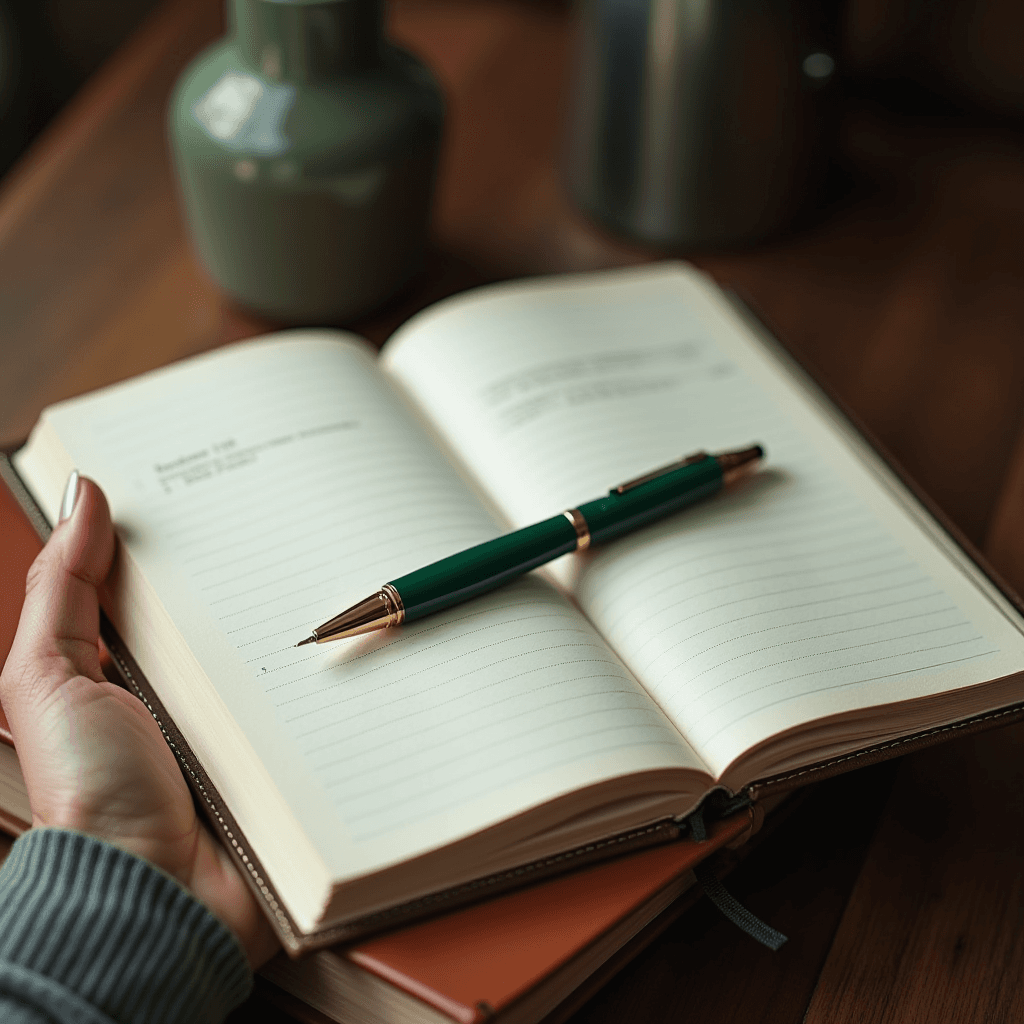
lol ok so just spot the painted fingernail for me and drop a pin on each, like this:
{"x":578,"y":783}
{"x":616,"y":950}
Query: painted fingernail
{"x":67,"y":504}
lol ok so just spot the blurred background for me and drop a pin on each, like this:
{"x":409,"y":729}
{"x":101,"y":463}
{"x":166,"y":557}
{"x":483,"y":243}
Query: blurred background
{"x":906,"y":291}
{"x":48,"y":48}
{"x":918,"y":57}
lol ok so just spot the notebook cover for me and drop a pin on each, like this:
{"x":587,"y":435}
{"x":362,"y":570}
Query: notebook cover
{"x":482,"y":963}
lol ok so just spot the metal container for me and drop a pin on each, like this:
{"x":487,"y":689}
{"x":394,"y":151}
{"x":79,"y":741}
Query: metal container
{"x":697,"y":123}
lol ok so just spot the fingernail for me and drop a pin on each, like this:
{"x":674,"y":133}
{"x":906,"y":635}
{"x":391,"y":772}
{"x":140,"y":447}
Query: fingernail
{"x":67,"y":504}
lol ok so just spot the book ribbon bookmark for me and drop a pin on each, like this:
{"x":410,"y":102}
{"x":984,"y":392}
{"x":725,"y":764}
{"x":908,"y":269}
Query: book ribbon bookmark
{"x":724,"y":900}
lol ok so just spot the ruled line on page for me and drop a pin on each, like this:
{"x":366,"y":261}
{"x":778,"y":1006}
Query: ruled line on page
{"x":808,"y":527}
{"x":828,"y":635}
{"x":485,"y":782}
{"x":473,"y":614}
{"x":402,"y":755}
{"x":424,"y":700}
{"x":425,"y":484}
{"x":394,"y":682}
{"x":733,"y":597}
{"x":330,"y":579}
{"x":394,"y":677}
{"x":184,"y":510}
{"x":698,"y":585}
{"x":364,"y":808}
{"x":859,"y":681}
{"x":847,"y":663}
{"x":303,"y":549}
{"x":846,"y":615}
{"x":463,"y":715}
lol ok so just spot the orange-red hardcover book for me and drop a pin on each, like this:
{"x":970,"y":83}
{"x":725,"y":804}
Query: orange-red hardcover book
{"x":515,"y":958}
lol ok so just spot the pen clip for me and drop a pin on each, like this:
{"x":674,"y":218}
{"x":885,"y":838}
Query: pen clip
{"x":655,"y":473}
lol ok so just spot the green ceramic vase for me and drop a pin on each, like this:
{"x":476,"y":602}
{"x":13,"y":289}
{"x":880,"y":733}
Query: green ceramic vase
{"x":306,"y":147}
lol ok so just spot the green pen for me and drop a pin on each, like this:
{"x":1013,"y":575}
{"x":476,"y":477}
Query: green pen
{"x":486,"y":566}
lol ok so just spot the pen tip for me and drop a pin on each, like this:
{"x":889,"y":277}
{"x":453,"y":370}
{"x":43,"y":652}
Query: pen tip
{"x":308,"y":640}
{"x":736,"y":463}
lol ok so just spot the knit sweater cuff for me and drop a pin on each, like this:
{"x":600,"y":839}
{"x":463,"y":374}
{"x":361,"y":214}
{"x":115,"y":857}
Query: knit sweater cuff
{"x":85,"y":922}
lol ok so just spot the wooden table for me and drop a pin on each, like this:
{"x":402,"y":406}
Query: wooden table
{"x":900,"y":886}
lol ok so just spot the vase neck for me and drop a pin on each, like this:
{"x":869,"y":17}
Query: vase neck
{"x":308,"y":40}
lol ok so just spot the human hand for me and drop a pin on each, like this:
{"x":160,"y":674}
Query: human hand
{"x":93,"y":757}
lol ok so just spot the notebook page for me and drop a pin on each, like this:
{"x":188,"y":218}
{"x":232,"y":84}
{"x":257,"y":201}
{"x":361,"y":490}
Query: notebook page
{"x":292,"y":483}
{"x":808,"y":591}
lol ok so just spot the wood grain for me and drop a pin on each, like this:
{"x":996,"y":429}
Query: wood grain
{"x":933,"y":930}
{"x":909,"y":298}
{"x":704,"y":969}
{"x":89,"y":228}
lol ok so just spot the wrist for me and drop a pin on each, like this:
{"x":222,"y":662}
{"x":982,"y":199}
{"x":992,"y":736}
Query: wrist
{"x":121,"y":936}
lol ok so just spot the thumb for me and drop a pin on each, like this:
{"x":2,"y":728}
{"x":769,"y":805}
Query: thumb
{"x":58,"y":633}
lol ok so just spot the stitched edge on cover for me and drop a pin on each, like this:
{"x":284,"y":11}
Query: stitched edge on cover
{"x":891,"y":745}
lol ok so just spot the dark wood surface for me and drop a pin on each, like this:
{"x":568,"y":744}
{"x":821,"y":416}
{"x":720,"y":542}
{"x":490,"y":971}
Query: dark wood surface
{"x":899,"y":886}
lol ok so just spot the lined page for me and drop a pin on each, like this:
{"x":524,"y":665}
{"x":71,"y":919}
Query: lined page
{"x":807,"y":591}
{"x":515,"y":687}
{"x":294,"y":483}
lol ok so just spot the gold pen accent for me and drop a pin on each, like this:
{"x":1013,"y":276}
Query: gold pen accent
{"x":660,"y":471}
{"x":739,"y":463}
{"x":733,"y":465}
{"x":379,"y":611}
{"x":579,"y":524}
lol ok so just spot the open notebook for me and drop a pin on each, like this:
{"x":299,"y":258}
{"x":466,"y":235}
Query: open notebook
{"x":814,"y":612}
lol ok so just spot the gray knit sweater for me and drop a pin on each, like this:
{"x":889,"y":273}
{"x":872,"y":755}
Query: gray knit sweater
{"x":91,"y":934}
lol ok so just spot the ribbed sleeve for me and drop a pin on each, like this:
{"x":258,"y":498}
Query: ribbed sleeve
{"x":90,"y":933}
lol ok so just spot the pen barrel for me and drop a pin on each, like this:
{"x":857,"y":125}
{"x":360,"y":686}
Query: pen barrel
{"x":615,"y":514}
{"x":482,"y":568}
